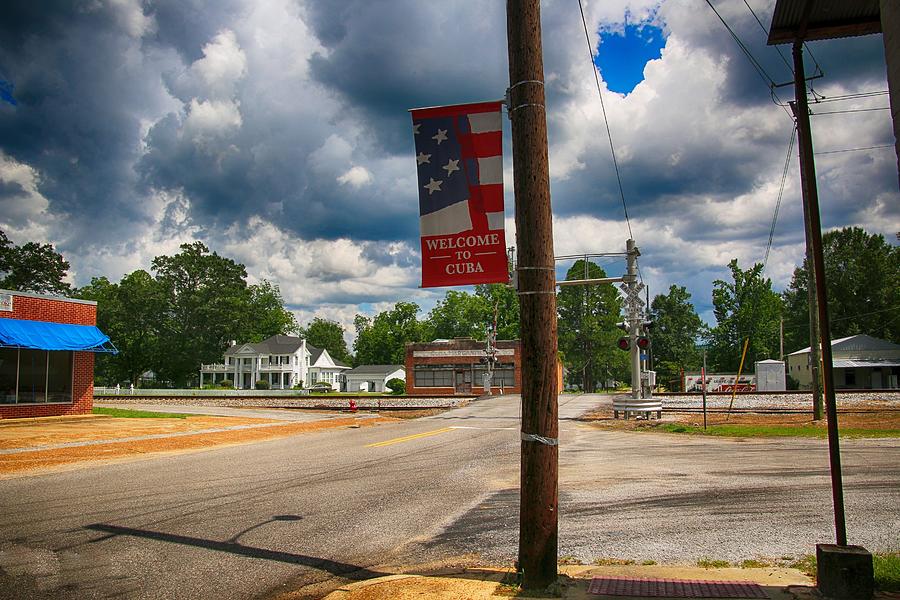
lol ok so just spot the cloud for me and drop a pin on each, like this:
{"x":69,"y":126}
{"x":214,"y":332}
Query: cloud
{"x":278,"y":133}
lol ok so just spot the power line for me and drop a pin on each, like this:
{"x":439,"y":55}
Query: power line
{"x":784,"y":173}
{"x":855,"y":96}
{"x":612,"y":149}
{"x":763,"y":27}
{"x":767,"y":79}
{"x":855,"y":149}
{"x":849,"y":110}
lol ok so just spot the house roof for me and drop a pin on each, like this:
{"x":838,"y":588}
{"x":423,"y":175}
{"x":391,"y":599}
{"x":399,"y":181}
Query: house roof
{"x":277,"y":344}
{"x":374,"y":369}
{"x":823,"y":19}
{"x":856,"y":343}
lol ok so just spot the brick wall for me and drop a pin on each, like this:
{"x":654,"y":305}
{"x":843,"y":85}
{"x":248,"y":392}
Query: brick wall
{"x":57,"y":310}
{"x":464,"y":345}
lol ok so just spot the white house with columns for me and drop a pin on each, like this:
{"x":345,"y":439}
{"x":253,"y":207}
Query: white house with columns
{"x":283,"y":361}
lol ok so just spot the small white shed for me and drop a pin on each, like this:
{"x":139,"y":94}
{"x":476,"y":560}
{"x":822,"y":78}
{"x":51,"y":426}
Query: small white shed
{"x":372,"y":378}
{"x":770,"y":376}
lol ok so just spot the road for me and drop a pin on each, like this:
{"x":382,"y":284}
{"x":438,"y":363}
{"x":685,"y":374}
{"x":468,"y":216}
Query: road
{"x":261,"y":519}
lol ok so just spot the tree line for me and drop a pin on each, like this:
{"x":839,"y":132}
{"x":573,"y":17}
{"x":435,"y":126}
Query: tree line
{"x":862,"y":275}
{"x":188,"y":308}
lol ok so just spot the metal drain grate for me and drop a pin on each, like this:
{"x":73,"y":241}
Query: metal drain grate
{"x":674,"y":588}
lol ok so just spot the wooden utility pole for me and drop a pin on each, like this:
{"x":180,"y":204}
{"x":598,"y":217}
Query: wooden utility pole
{"x":538,"y":522}
{"x":811,"y":200}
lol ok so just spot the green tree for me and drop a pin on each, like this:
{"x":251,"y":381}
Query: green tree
{"x":323,"y":333}
{"x":676,"y":328}
{"x":32,"y":267}
{"x":506,"y":301}
{"x":587,"y":326}
{"x":129,"y":313}
{"x":266,"y":315}
{"x":382,"y":340}
{"x":862,"y":276}
{"x":206,"y":298}
{"x":745,"y":308}
{"x":458,"y":315}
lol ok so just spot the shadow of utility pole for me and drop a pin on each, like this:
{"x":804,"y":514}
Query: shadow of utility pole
{"x":331,"y":566}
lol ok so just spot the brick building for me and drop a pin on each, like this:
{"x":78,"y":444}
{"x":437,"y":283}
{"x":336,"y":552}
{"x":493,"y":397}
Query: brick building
{"x":47,"y":347}
{"x":454,"y":367}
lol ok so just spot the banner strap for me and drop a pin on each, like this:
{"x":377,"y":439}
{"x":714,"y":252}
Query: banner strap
{"x":533,"y":437}
{"x":524,"y":81}
{"x":515,"y":108}
{"x":535,"y":292}
{"x":535,"y":268}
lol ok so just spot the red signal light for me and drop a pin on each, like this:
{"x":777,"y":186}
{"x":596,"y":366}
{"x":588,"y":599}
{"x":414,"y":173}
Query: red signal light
{"x":643,"y":342}
{"x":623,"y":343}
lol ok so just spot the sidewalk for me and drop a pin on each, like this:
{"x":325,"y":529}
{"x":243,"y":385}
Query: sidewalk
{"x":592,"y":583}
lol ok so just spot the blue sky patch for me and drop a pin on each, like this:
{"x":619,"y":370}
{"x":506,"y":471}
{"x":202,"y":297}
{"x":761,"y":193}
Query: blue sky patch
{"x":623,"y":54}
{"x":6,"y":92}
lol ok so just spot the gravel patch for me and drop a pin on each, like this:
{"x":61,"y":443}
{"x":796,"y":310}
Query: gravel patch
{"x":796,"y":401}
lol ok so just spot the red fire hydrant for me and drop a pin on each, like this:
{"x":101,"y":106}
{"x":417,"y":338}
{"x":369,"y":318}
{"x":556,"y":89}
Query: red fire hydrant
{"x":352,"y":405}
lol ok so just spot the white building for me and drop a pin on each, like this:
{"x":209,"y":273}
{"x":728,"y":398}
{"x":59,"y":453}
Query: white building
{"x":372,"y":378}
{"x":859,"y":362}
{"x":283,"y":361}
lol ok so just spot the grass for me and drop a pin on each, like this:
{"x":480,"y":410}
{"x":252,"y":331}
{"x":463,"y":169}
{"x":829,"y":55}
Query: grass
{"x":886,"y":566}
{"x":607,"y":561}
{"x":125,"y":413}
{"x":771,"y":431}
{"x":887,"y":571}
{"x":754,"y":564}
{"x":710,"y":563}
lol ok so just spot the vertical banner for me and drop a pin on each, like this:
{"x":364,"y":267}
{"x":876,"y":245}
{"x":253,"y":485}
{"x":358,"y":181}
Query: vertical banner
{"x":459,"y":158}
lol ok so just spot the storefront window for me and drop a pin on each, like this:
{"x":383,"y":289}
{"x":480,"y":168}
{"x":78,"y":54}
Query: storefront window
{"x":59,"y":377}
{"x":35,"y":376}
{"x":9,"y":366}
{"x":32,"y":376}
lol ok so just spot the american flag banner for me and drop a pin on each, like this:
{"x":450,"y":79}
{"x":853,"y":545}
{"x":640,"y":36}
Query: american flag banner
{"x":459,"y":158}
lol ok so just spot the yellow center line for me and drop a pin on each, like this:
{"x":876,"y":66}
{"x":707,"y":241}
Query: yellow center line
{"x":409,"y":437}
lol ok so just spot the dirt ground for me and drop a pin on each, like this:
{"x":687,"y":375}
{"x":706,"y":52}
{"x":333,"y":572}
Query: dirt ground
{"x":490,"y":584}
{"x":31,"y":434}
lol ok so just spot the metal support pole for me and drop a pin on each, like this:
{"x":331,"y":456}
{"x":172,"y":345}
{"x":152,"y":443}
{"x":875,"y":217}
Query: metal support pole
{"x":538,"y":521}
{"x":808,"y":169}
{"x":634,"y":322}
{"x":703,"y":387}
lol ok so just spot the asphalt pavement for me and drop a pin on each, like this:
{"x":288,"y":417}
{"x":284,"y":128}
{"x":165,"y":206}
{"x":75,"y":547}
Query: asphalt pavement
{"x":261,"y":519}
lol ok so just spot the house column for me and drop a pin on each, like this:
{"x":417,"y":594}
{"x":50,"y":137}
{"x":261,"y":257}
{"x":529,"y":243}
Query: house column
{"x":201,"y":376}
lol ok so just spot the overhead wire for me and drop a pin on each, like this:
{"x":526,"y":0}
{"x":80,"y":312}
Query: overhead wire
{"x":784,"y":173}
{"x":612,"y":149}
{"x":849,"y":110}
{"x":767,"y":79}
{"x":854,"y":149}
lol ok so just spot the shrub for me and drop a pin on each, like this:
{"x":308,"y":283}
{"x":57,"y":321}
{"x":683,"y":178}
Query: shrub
{"x":226,"y":384}
{"x":397,"y":386}
{"x":262,"y":384}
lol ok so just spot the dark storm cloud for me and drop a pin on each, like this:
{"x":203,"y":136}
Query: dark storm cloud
{"x":186,"y":25}
{"x":11,"y":189}
{"x":79,"y":93}
{"x":386,"y":58}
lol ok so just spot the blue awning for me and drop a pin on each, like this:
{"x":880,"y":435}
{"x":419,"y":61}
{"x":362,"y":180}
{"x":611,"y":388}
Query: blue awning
{"x":40,"y":335}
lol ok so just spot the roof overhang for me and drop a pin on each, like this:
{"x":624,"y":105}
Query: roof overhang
{"x":809,"y":20}
{"x":42,"y":335}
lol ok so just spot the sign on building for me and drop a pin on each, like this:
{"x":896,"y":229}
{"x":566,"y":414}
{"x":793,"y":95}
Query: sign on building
{"x":459,"y":160}
{"x":6,"y":302}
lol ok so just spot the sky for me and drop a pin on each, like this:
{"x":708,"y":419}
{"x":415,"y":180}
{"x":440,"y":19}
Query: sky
{"x":277,"y":133}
